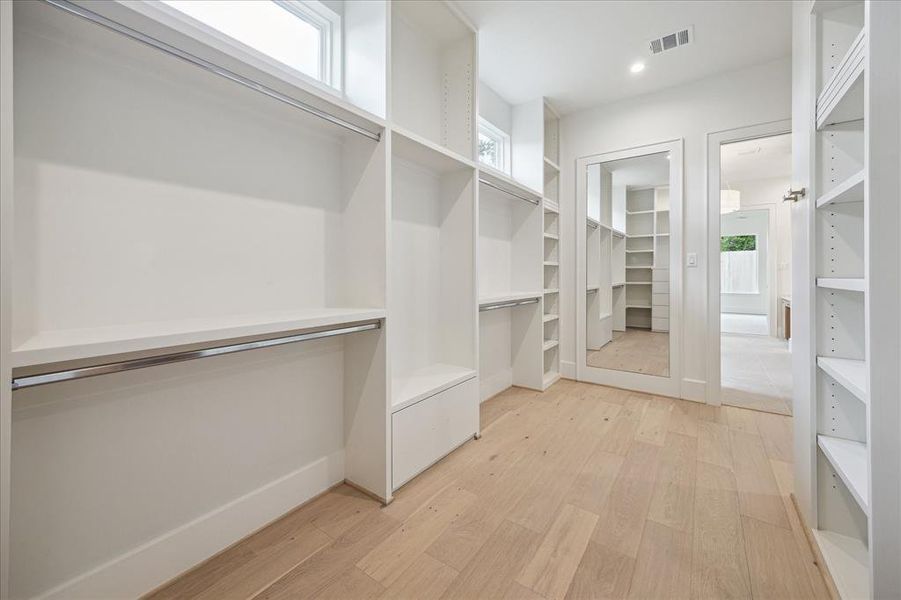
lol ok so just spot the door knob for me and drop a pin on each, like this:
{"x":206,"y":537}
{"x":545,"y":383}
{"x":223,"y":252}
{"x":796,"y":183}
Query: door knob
{"x":794,"y":195}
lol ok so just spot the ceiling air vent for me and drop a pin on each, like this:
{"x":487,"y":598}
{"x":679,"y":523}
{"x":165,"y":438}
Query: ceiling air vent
{"x":672,"y":40}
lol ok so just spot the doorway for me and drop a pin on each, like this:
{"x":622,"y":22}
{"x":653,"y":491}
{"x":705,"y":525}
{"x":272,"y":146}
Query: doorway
{"x":753,"y":277}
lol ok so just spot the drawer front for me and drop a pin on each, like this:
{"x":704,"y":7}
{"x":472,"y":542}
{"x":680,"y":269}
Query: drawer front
{"x":660,"y":287}
{"x":660,"y":312}
{"x":660,"y":275}
{"x":428,"y":430}
{"x":660,"y":300}
{"x":659,"y":324}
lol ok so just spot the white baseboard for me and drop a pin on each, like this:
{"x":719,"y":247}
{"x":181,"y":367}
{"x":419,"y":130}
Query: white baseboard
{"x":568,"y":369}
{"x":694,"y":389}
{"x":150,"y":565}
{"x":495,"y":383}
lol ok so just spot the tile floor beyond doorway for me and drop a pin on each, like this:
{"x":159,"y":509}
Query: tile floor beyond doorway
{"x":582,"y":491}
{"x":756,"y":373}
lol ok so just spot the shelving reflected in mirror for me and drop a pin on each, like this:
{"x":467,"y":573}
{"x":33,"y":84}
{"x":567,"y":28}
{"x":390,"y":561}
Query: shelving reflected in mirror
{"x":627,"y":265}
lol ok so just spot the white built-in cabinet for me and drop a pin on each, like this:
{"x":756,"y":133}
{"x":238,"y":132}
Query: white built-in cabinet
{"x":159,"y":207}
{"x":853,"y":429}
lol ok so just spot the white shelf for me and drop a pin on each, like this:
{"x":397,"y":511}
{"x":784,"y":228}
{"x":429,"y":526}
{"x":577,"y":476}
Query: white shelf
{"x":842,"y":97}
{"x":851,"y":374}
{"x":641,"y":235}
{"x":639,"y":266}
{"x":848,"y":561}
{"x":642,"y":306}
{"x":502,"y":180}
{"x":550,"y":344}
{"x":507,"y":297}
{"x":551,"y":206}
{"x":550,"y":167}
{"x":618,"y":284}
{"x":661,"y":234}
{"x":75,"y":344}
{"x":551,"y":263}
{"x":850,"y":190}
{"x":640,"y":212}
{"x":417,"y":385}
{"x":592,"y":223}
{"x":618,"y":233}
{"x":638,"y":283}
{"x":593,"y":288}
{"x":851,"y":284}
{"x":605,"y":315}
{"x":849,"y":459}
{"x":419,"y":150}
{"x":551,"y":291}
{"x":549,"y":318}
{"x":649,"y":251}
{"x":551,"y":236}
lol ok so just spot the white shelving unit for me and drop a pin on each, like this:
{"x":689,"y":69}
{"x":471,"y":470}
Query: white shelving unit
{"x":223,"y":216}
{"x":550,"y":145}
{"x":854,"y":196}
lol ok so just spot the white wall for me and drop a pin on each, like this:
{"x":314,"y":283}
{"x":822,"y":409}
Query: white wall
{"x":749,"y":223}
{"x":495,"y":109}
{"x":757,"y":94}
{"x":763,"y":192}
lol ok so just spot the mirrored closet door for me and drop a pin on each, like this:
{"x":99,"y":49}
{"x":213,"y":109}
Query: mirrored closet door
{"x":627,"y":276}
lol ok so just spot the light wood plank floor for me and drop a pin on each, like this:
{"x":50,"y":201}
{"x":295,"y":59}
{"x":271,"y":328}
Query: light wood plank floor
{"x":635,"y":350}
{"x":579,"y":492}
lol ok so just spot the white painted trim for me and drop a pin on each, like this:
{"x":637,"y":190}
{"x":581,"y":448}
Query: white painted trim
{"x":665,"y":386}
{"x":694,"y":389}
{"x":148,"y":566}
{"x":568,"y":369}
{"x":714,"y":141}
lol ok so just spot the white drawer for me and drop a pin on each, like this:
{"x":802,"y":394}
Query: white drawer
{"x":660,"y":275}
{"x":660,"y":300}
{"x":660,"y":312}
{"x":659,"y":324}
{"x":660,"y":287}
{"x":428,"y":430}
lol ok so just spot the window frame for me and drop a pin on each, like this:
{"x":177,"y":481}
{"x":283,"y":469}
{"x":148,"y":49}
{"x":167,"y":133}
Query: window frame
{"x":313,"y":12}
{"x":500,"y":137}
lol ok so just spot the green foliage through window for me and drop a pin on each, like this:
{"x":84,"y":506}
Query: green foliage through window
{"x":737,"y":243}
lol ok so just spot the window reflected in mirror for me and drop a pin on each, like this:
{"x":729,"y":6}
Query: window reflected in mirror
{"x":627,"y":265}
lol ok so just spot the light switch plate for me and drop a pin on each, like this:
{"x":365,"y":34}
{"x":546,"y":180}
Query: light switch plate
{"x":691,"y":259}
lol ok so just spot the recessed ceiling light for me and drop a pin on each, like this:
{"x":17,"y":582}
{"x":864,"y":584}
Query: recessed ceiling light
{"x":637,"y":67}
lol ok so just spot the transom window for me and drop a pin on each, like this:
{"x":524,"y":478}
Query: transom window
{"x":303,"y":35}
{"x":494,"y":146}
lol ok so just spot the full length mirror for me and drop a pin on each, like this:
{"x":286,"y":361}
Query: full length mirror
{"x":627,"y":261}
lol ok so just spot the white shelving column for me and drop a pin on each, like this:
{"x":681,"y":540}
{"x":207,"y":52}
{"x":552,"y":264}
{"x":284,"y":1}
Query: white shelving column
{"x":432,"y":303}
{"x":551,"y":180}
{"x":599,"y":235}
{"x":660,"y":276}
{"x":640,"y":256}
{"x":855,"y":193}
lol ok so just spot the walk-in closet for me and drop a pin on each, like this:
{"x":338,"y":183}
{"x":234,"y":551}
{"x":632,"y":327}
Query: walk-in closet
{"x":420,"y":299}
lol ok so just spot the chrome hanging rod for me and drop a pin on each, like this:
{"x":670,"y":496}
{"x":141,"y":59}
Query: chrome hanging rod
{"x":506,"y":191}
{"x":137,"y":36}
{"x":488,"y":307}
{"x":19,"y":383}
{"x":592,"y":224}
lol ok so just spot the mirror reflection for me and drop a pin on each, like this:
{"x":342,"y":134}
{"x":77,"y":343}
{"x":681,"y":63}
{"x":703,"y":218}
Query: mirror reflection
{"x":627,"y":265}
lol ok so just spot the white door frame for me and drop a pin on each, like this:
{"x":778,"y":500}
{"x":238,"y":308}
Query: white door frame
{"x":651,"y":384}
{"x":714,"y":142}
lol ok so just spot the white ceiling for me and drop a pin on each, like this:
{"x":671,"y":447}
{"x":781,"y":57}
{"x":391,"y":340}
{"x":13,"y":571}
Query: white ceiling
{"x":578,"y":53}
{"x":756,"y":159}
